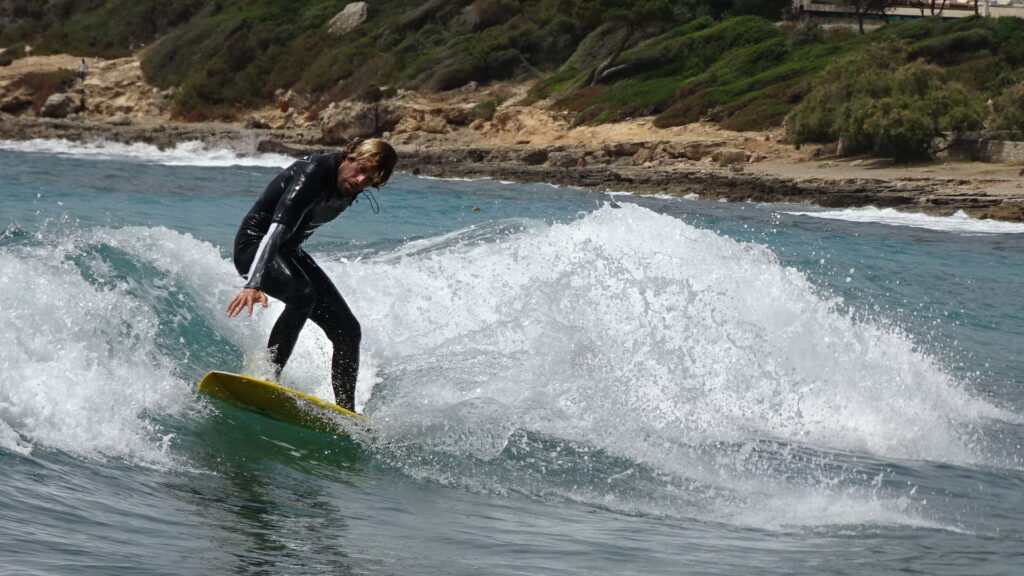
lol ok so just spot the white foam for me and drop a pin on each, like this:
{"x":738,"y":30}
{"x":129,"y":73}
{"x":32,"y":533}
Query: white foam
{"x":683,"y":329}
{"x":451,"y":178}
{"x":83,"y":371}
{"x":183,"y":154}
{"x":80,"y":364}
{"x":635,"y":333}
{"x":958,"y":222}
{"x":10,"y":439}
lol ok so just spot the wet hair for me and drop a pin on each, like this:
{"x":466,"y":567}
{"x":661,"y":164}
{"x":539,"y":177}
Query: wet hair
{"x":379,"y":156}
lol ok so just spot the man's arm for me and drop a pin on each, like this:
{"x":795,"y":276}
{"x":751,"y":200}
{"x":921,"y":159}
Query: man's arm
{"x":269,"y":247}
{"x":294,"y":203}
{"x":302,"y":193}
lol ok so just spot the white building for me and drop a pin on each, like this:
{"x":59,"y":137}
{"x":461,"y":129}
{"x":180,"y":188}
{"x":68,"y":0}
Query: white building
{"x":909,"y":9}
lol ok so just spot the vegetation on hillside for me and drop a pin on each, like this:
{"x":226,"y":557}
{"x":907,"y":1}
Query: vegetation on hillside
{"x":915,"y":81}
{"x":744,"y":72}
{"x":99,"y":28}
{"x":880,"y":101}
{"x":231,"y":54}
{"x":890,"y":92}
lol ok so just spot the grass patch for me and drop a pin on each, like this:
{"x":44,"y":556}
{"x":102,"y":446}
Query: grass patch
{"x":744,"y":71}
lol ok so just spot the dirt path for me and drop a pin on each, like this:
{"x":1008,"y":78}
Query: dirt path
{"x":39,"y":64}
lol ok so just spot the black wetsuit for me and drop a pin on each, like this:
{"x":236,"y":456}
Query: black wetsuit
{"x":269,"y":255}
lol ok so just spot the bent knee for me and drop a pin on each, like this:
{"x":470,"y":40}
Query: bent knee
{"x":347,"y":334}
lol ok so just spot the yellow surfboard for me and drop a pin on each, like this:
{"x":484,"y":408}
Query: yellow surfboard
{"x":280,"y":403}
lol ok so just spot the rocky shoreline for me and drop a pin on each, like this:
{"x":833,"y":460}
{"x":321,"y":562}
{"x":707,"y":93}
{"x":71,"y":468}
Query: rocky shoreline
{"x":827,"y":183}
{"x":447,"y":135}
{"x":937,"y":196}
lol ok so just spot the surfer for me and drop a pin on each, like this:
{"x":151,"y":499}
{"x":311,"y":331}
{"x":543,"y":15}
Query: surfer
{"x":268,"y":254}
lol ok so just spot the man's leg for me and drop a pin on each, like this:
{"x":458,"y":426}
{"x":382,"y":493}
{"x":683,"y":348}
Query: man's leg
{"x":286,"y":281}
{"x":334,"y":317}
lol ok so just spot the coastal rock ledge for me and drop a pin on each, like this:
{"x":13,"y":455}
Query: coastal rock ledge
{"x":981,"y":191}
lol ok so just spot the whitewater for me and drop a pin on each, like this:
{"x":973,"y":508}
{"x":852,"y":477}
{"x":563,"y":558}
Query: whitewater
{"x":558,"y":381}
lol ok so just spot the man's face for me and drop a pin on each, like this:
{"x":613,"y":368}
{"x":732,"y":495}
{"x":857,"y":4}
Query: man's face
{"x":353,"y":176}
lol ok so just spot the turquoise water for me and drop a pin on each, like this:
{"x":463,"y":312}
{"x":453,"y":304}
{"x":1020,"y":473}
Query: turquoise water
{"x":559,"y":382}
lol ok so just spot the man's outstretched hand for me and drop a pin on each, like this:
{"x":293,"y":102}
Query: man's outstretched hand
{"x":247,"y":298}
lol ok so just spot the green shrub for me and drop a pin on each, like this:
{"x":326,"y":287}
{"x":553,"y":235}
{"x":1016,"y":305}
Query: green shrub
{"x":186,"y":51}
{"x":12,"y":53}
{"x":987,"y":73}
{"x":496,"y":53}
{"x":877,"y":102}
{"x":486,"y":13}
{"x":895,"y":127}
{"x":556,"y":41}
{"x":746,"y":72}
{"x":580,"y":100}
{"x":106,"y":29}
{"x":1008,"y":110}
{"x":750,"y":87}
{"x":485,"y":110}
{"x":953,"y":48}
{"x":587,"y":115}
{"x":758,"y":114}
{"x":449,"y":75}
{"x":663,"y":67}
{"x":689,"y":105}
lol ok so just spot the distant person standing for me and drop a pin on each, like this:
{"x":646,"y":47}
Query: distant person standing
{"x":83,"y":69}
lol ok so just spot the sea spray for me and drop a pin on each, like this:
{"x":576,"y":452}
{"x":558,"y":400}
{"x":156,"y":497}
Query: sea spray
{"x":80,"y":367}
{"x":651,"y":340}
{"x":108,"y":330}
{"x":685,"y":331}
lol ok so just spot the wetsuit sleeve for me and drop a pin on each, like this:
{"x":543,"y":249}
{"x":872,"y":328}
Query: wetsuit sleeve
{"x":304,"y":190}
{"x":269,"y":247}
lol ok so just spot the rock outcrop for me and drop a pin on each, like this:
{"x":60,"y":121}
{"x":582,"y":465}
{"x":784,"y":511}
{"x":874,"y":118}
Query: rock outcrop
{"x":63,"y":104}
{"x":345,"y":21}
{"x":340,"y":123}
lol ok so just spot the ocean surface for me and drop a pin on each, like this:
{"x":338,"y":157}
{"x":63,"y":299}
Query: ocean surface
{"x":558,"y":381}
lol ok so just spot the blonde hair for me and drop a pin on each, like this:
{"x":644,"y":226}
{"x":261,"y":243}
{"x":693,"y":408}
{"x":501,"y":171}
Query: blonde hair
{"x":379,"y":156}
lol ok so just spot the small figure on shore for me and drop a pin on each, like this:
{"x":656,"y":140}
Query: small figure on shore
{"x":83,"y":69}
{"x":268,"y":253}
{"x":581,"y":162}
